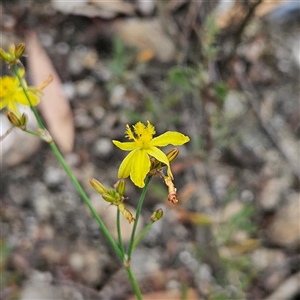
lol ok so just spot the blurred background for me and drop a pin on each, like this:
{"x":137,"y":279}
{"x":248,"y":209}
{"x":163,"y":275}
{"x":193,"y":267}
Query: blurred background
{"x":225,"y":73}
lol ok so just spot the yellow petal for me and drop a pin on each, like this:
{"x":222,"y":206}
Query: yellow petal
{"x":169,"y":137}
{"x":126,"y":146}
{"x":140,"y":168}
{"x":3,"y":102}
{"x":13,"y":107}
{"x":125,"y":167}
{"x":160,"y":156}
{"x":21,"y":98}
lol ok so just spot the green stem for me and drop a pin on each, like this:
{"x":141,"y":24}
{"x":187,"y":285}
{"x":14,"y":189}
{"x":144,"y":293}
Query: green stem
{"x":32,"y":133}
{"x":134,"y":284}
{"x":138,"y":212}
{"x":86,"y":200}
{"x":40,"y":122}
{"x":119,"y":232}
{"x":140,"y":236}
{"x":69,"y":172}
{"x":104,"y":229}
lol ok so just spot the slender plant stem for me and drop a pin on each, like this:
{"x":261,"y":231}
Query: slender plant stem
{"x":140,"y":236}
{"x":120,"y":233}
{"x":86,"y":200}
{"x":138,"y":212}
{"x":32,"y":133}
{"x":134,"y":284}
{"x":40,"y":122}
{"x":120,"y":252}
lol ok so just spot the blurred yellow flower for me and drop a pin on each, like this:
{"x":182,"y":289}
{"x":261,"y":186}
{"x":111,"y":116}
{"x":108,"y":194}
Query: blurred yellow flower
{"x":137,"y":163}
{"x":12,"y":94}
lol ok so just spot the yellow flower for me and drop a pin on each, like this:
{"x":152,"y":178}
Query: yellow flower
{"x":11,"y":93}
{"x":137,"y":163}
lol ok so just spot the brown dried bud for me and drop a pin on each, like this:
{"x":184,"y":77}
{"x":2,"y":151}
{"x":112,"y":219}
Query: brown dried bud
{"x":172,"y":196}
{"x":125,"y":212}
{"x":13,"y":119}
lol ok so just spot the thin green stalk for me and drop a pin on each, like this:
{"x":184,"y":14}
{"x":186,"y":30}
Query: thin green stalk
{"x":32,"y":133}
{"x":120,"y":233}
{"x":104,"y":229}
{"x":16,"y":71}
{"x":86,"y":200}
{"x":134,"y":284}
{"x":140,"y":236}
{"x":138,"y":212}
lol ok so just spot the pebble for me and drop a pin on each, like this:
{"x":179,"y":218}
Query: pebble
{"x":82,"y":119}
{"x":272,"y":193}
{"x":145,"y":261}
{"x":54,"y":177}
{"x":39,"y":286}
{"x":103,"y":147}
{"x":69,"y":90}
{"x":284,"y":230}
{"x":117,"y":96}
{"x":84,"y":87}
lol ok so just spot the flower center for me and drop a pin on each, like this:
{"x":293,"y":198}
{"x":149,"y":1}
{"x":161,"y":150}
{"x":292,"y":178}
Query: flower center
{"x":141,"y":134}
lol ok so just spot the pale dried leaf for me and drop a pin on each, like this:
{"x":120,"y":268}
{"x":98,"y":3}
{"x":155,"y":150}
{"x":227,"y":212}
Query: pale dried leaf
{"x":54,"y":107}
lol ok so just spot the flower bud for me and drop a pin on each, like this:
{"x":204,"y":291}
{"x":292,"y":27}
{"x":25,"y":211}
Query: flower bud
{"x":121,"y":186}
{"x":98,"y":186}
{"x":157,"y":215}
{"x":23,"y":121}
{"x":3,"y":55}
{"x":109,"y":198}
{"x":171,"y":155}
{"x":19,"y":50}
{"x":13,"y":119}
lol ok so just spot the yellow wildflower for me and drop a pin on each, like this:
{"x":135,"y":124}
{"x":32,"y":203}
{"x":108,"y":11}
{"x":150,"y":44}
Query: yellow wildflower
{"x":137,"y":163}
{"x":12,"y":94}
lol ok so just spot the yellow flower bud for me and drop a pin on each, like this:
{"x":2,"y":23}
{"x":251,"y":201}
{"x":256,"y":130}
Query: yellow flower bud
{"x":171,"y":155}
{"x":109,"y":198}
{"x":3,"y":55}
{"x":98,"y":186}
{"x":23,"y":120}
{"x":121,"y":186}
{"x":157,"y":215}
{"x":19,"y":50}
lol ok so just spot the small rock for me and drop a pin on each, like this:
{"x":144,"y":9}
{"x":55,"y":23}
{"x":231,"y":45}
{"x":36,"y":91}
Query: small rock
{"x":82,"y":119}
{"x":117,"y":96}
{"x":272,"y":193}
{"x":39,"y":286}
{"x":54,"y":177}
{"x":103,"y":147}
{"x":145,"y":261}
{"x":263,"y":258}
{"x":234,"y":105}
{"x":284,"y":230}
{"x":146,"y":7}
{"x":84,"y":87}
{"x":69,"y":90}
